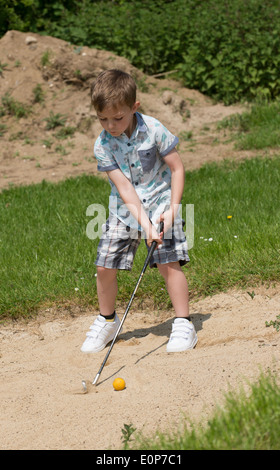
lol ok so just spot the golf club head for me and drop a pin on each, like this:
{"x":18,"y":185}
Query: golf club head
{"x":96,"y":379}
{"x":84,"y":386}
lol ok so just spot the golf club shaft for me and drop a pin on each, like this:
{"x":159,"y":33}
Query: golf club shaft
{"x":150,"y":253}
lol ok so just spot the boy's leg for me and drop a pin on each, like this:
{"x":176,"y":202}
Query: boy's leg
{"x":115,"y":251}
{"x":177,"y":287}
{"x":107,"y":289}
{"x":169,"y":258}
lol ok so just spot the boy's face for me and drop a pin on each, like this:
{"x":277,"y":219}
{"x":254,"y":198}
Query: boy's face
{"x":118,"y":119}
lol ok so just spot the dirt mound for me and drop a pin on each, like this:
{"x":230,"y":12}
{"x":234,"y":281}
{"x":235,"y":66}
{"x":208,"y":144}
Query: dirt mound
{"x":48,"y":75}
{"x":62,"y":74}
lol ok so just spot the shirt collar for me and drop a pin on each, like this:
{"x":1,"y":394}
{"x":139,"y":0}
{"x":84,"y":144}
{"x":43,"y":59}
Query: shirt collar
{"x":142,"y":127}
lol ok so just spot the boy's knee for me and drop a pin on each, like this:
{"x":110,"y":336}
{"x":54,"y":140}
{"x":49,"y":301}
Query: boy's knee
{"x":163,"y":269}
{"x":168,"y":269}
{"x":100,"y":269}
{"x":105,"y":272}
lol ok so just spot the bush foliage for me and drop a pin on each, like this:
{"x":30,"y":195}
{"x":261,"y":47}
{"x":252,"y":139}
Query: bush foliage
{"x":229,"y":50}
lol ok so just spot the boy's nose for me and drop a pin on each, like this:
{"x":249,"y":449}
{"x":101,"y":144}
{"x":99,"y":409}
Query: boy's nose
{"x":110,"y":125}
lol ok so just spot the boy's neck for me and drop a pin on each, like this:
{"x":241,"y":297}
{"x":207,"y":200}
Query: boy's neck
{"x":129,"y":131}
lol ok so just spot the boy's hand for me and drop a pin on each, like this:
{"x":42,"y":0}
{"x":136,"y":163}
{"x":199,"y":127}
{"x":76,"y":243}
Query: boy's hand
{"x":167,"y":218}
{"x":153,"y":235}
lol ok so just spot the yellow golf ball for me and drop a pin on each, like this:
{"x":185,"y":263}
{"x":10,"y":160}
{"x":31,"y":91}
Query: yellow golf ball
{"x":119,"y":384}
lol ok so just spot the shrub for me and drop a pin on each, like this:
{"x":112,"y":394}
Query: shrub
{"x":227,"y":50}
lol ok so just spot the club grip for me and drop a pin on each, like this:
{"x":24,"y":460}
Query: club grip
{"x":154,"y":243}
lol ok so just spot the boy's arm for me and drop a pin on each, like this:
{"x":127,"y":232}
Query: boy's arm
{"x":173,"y":160}
{"x":133,"y":203}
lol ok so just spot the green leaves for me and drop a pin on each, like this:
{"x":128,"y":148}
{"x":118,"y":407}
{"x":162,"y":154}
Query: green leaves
{"x":227,"y":50}
{"x":233,"y":51}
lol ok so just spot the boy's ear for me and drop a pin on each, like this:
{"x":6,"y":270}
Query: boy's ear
{"x":136,"y":106}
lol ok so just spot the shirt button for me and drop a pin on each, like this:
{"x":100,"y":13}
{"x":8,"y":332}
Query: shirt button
{"x":132,"y":164}
{"x":128,"y":144}
{"x":136,"y":183}
{"x":144,"y":200}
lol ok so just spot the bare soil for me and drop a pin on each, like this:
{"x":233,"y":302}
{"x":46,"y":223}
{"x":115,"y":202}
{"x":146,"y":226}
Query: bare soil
{"x":42,"y":405}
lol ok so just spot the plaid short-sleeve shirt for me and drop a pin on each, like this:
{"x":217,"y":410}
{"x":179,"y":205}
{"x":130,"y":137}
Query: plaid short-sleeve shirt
{"x":141,"y":159}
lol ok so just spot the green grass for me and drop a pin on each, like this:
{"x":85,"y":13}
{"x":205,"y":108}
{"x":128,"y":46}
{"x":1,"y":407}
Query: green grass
{"x":258,"y":128}
{"x":45,"y":254}
{"x":44,"y":251}
{"x":245,"y":248}
{"x":245,"y":421}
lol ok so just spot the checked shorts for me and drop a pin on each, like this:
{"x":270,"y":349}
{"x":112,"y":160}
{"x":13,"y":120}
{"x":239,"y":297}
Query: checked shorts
{"x":118,"y":245}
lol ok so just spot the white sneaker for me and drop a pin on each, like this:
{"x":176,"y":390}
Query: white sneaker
{"x":183,"y":336}
{"x":100,"y":334}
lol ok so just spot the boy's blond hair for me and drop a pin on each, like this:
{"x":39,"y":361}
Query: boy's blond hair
{"x":112,"y":88}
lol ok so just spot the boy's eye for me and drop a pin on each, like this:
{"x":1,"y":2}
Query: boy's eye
{"x":105,"y":119}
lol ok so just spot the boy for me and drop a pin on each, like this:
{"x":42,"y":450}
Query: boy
{"x":147,"y":179}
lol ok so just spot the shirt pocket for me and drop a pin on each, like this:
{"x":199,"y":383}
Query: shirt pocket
{"x":148,"y":158}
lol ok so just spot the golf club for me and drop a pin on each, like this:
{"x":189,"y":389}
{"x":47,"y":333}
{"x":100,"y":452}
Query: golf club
{"x":150,"y":253}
